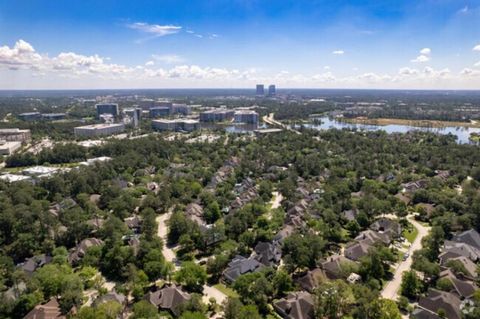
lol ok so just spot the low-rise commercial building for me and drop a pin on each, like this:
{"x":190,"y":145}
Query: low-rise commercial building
{"x":8,"y":148}
{"x":12,"y":178}
{"x":54,"y":116}
{"x":246,"y":116}
{"x":216,"y":115}
{"x":159,"y":111}
{"x":15,"y":134}
{"x":169,"y":109}
{"x":107,"y":108}
{"x":99,"y":129}
{"x":30,"y":116}
{"x":176,"y":125}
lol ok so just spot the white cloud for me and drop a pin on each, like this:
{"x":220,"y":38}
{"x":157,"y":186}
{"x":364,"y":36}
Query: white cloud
{"x":155,"y":29}
{"x":22,"y":55}
{"x":169,"y":58}
{"x":467,"y":72}
{"x":476,"y":48}
{"x":477,"y":64}
{"x":38,"y":70}
{"x":326,"y":67}
{"x":425,"y":51}
{"x":423,"y":57}
{"x":338,"y":52}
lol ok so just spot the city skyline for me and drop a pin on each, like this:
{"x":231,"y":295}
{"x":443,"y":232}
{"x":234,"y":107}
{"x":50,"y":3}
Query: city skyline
{"x":238,"y":44}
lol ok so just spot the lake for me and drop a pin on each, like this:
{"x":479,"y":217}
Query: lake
{"x":462,"y":133}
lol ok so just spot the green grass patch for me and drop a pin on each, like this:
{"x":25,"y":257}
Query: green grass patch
{"x":227,"y":291}
{"x":410,"y":233}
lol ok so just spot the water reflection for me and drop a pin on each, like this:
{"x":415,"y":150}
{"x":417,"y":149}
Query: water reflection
{"x":462,"y":133}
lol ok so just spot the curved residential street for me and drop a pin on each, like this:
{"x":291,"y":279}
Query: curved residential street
{"x":169,"y":254}
{"x":392,"y":288}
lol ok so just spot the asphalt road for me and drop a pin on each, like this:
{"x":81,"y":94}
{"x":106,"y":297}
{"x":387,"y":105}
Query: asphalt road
{"x":391,"y":290}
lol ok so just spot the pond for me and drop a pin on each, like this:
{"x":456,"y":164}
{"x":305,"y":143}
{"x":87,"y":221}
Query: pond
{"x":462,"y":133}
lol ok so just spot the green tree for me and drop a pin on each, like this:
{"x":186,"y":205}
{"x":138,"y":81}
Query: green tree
{"x":410,"y":284}
{"x":333,"y":300}
{"x":192,"y":276}
{"x":384,"y":309}
{"x":144,"y":310}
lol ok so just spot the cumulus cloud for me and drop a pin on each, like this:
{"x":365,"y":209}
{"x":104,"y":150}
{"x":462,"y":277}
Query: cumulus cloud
{"x":477,"y":64}
{"x":476,"y":48}
{"x":169,"y":58}
{"x":22,"y":55}
{"x":89,"y":70}
{"x":467,"y":72}
{"x":423,"y":57}
{"x":155,"y":29}
{"x":425,"y":51}
{"x":338,"y":52}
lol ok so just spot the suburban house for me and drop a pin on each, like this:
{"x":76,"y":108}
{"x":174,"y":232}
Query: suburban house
{"x":452,"y":249}
{"x":464,"y":289}
{"x":335,"y":266}
{"x":428,"y":307}
{"x":168,"y":298}
{"x":50,"y":310}
{"x":470,"y":237}
{"x":357,"y":250}
{"x":269,"y":254}
{"x":297,"y":305}
{"x":111,"y":296}
{"x":387,"y":226}
{"x":240,"y":266}
{"x":312,"y":279}
{"x":79,"y":251}
{"x":35,"y":262}
{"x":350,"y":215}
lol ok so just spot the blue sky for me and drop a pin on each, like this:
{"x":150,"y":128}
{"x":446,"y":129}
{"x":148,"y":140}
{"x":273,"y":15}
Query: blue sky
{"x":216,"y":43}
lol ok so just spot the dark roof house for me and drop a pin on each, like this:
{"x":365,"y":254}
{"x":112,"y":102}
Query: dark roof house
{"x":79,"y":251}
{"x":470,"y":237}
{"x":334,"y":266}
{"x":298,"y":305}
{"x":35,"y":262}
{"x":240,"y":266}
{"x":269,"y":254}
{"x":168,"y":298}
{"x":387,"y":226}
{"x":312,"y":279}
{"x":357,"y":250}
{"x":437,"y":300}
{"x":462,"y":288}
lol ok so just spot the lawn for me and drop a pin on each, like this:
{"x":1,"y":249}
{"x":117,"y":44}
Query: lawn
{"x":411,"y":233}
{"x":227,"y":291}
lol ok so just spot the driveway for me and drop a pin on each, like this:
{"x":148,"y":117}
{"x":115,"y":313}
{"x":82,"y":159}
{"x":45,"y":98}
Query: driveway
{"x":392,"y":288}
{"x":276,"y":200}
{"x":168,"y":252}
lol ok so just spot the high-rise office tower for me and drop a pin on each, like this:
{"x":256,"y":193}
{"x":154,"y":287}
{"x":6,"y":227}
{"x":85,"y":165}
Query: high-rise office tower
{"x":272,"y":90}
{"x":260,"y":89}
